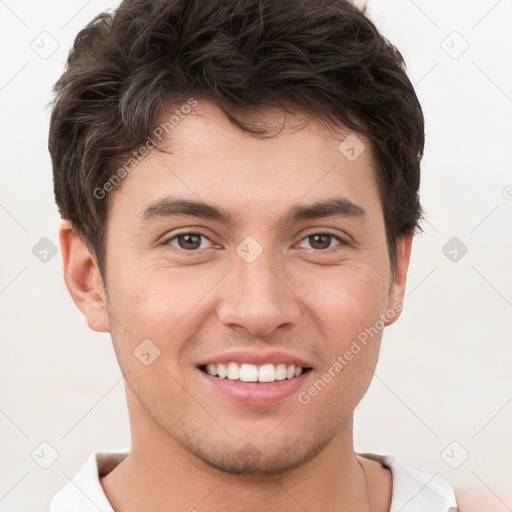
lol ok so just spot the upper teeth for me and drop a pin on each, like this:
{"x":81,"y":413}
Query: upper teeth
{"x":252,"y":373}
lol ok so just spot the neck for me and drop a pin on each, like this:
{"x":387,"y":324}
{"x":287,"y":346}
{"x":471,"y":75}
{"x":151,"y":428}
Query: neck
{"x":160,"y":475}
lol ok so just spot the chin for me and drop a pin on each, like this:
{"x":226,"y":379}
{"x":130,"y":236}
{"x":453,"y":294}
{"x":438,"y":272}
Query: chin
{"x":252,"y":460}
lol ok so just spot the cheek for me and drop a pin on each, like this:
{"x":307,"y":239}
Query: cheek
{"x":151,"y":298}
{"x":158,"y":304}
{"x":348,"y":301}
{"x":150,"y":324}
{"x":350,"y":310}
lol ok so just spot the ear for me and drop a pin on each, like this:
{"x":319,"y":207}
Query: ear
{"x":397,"y":288}
{"x":83,"y":278}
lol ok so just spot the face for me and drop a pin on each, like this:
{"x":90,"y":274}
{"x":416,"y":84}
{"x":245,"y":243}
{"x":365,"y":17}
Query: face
{"x":258,"y":277}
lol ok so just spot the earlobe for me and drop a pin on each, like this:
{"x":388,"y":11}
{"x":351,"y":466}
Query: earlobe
{"x":397,"y":289}
{"x":83,"y":279}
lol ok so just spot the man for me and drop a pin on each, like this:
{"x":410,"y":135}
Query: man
{"x":239,"y":183}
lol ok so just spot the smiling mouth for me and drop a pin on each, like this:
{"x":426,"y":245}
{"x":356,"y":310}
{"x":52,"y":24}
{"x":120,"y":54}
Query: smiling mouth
{"x":245,"y":372}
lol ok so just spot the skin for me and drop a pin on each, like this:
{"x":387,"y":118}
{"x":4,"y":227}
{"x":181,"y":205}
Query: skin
{"x":189,"y":448}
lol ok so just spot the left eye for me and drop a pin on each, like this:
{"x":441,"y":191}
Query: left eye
{"x":322,"y":241}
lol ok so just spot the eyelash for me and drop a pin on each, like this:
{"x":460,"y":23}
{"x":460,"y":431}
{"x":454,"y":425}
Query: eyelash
{"x":342,"y":243}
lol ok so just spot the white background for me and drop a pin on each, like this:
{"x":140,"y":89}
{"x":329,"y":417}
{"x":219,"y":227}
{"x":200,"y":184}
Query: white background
{"x":445,"y":369}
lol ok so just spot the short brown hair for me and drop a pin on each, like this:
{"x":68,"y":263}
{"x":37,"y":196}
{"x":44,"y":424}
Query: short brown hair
{"x":320,"y":56}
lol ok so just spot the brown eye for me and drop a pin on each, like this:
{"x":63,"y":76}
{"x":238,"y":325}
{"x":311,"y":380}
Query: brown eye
{"x":322,"y":241}
{"x":187,"y":241}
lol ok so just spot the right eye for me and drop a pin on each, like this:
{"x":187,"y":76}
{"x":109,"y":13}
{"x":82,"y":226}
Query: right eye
{"x":187,"y":241}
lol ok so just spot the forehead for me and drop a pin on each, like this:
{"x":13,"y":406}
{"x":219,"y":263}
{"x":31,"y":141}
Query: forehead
{"x":205,"y":157}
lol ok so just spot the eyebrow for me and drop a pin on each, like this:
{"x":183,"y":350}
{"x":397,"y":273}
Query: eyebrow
{"x":168,"y":207}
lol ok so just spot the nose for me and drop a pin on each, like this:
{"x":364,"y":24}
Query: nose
{"x":258,"y":297}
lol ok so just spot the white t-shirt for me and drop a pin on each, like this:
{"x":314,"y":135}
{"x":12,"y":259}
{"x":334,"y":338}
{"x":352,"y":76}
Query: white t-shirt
{"x":413,"y":491}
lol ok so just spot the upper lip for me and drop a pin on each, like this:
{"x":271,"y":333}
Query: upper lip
{"x":257,"y":358}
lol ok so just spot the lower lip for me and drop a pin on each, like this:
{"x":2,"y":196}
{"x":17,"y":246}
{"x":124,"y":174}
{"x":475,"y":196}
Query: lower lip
{"x":256,"y":393}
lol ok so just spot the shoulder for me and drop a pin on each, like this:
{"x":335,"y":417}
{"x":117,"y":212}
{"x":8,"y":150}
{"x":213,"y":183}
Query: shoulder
{"x":84,"y":493}
{"x":414,"y":490}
